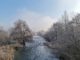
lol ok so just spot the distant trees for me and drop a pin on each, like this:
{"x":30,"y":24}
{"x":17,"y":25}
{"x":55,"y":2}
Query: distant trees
{"x":4,"y":36}
{"x":21,"y":32}
{"x":41,"y":33}
{"x":65,"y":36}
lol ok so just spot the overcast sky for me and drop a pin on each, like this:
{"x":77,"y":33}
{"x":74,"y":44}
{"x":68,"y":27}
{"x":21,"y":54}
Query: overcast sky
{"x":39,"y":14}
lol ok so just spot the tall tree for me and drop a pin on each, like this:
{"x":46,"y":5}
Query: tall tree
{"x":21,"y":32}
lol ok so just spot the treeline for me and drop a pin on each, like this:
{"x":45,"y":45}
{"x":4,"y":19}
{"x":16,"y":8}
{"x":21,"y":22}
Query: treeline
{"x":64,"y":36}
{"x":19,"y":33}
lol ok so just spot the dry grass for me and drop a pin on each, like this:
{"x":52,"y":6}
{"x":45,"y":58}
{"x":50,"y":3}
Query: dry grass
{"x":6,"y":52}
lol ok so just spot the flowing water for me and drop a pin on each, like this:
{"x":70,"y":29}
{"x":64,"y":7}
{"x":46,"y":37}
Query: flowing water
{"x":35,"y":50}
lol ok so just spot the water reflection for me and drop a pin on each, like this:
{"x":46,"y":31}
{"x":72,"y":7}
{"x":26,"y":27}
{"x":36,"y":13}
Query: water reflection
{"x":35,"y":51}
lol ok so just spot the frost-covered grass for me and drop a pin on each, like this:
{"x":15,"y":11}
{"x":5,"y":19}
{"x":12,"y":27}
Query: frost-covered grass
{"x":6,"y":53}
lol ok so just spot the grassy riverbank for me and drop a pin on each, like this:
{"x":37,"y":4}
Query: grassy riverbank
{"x":6,"y":52}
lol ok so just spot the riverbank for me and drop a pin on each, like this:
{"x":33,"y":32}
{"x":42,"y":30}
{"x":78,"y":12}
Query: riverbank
{"x":64,"y":53}
{"x":6,"y":52}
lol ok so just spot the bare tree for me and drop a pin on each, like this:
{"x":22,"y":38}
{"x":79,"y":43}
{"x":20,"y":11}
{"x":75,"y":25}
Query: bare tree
{"x":3,"y":36}
{"x":21,"y":32}
{"x":66,"y":37}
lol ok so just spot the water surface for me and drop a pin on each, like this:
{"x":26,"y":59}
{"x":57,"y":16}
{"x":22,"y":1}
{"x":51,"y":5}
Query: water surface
{"x":35,"y":50}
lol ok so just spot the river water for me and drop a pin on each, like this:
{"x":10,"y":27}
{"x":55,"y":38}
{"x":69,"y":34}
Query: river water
{"x":35,"y":50}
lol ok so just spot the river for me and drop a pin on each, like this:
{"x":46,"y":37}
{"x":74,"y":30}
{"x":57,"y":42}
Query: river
{"x":35,"y":50}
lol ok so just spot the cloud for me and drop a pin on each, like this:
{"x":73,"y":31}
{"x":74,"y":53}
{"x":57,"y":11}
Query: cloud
{"x":35,"y":21}
{"x":77,"y":7}
{"x":72,"y":5}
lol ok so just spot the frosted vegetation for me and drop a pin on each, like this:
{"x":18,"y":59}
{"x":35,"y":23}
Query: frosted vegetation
{"x":64,"y":36}
{"x":62,"y":40}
